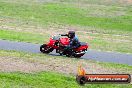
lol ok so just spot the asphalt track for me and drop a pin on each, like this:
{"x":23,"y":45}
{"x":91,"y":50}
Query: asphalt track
{"x":91,"y":54}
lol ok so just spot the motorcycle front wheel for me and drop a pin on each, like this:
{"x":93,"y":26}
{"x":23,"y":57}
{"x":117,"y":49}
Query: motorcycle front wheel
{"x":45,"y":49}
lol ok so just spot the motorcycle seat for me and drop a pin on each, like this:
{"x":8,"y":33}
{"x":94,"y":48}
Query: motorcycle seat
{"x":83,"y":43}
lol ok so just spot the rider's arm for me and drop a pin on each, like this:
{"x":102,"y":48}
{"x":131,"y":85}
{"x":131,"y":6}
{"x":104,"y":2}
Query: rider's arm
{"x":64,"y":34}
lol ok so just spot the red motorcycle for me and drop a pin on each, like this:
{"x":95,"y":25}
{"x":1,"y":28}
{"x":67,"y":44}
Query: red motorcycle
{"x":59,"y":43}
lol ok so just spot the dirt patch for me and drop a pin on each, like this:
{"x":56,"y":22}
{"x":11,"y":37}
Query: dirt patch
{"x":67,"y":66}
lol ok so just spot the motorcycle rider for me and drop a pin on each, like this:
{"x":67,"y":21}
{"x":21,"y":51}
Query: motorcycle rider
{"x":74,"y":41}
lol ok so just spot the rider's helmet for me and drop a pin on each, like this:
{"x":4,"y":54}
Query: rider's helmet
{"x":71,"y":34}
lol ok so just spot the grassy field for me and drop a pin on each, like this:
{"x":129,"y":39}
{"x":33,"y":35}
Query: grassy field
{"x":43,"y":58}
{"x":45,"y":78}
{"x":104,"y":25}
{"x":23,"y":36}
{"x":108,"y":18}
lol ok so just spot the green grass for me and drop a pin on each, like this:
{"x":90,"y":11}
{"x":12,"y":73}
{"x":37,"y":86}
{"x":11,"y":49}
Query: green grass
{"x":96,"y":15}
{"x":116,"y":66}
{"x":37,"y":80}
{"x":99,"y":2}
{"x":23,"y":36}
{"x":47,"y":80}
{"x":56,"y":13}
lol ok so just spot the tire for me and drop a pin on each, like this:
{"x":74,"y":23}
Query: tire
{"x":78,"y":56}
{"x":61,"y":54}
{"x":59,"y":51}
{"x":45,"y":49}
{"x":69,"y":54}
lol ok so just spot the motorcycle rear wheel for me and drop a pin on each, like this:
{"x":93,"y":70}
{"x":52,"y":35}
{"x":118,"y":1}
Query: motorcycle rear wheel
{"x":78,"y":56}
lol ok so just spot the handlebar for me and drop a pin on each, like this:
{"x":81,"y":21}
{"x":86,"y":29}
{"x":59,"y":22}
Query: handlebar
{"x":56,"y":37}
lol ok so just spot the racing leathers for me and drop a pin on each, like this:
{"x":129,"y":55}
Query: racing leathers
{"x":73,"y":43}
